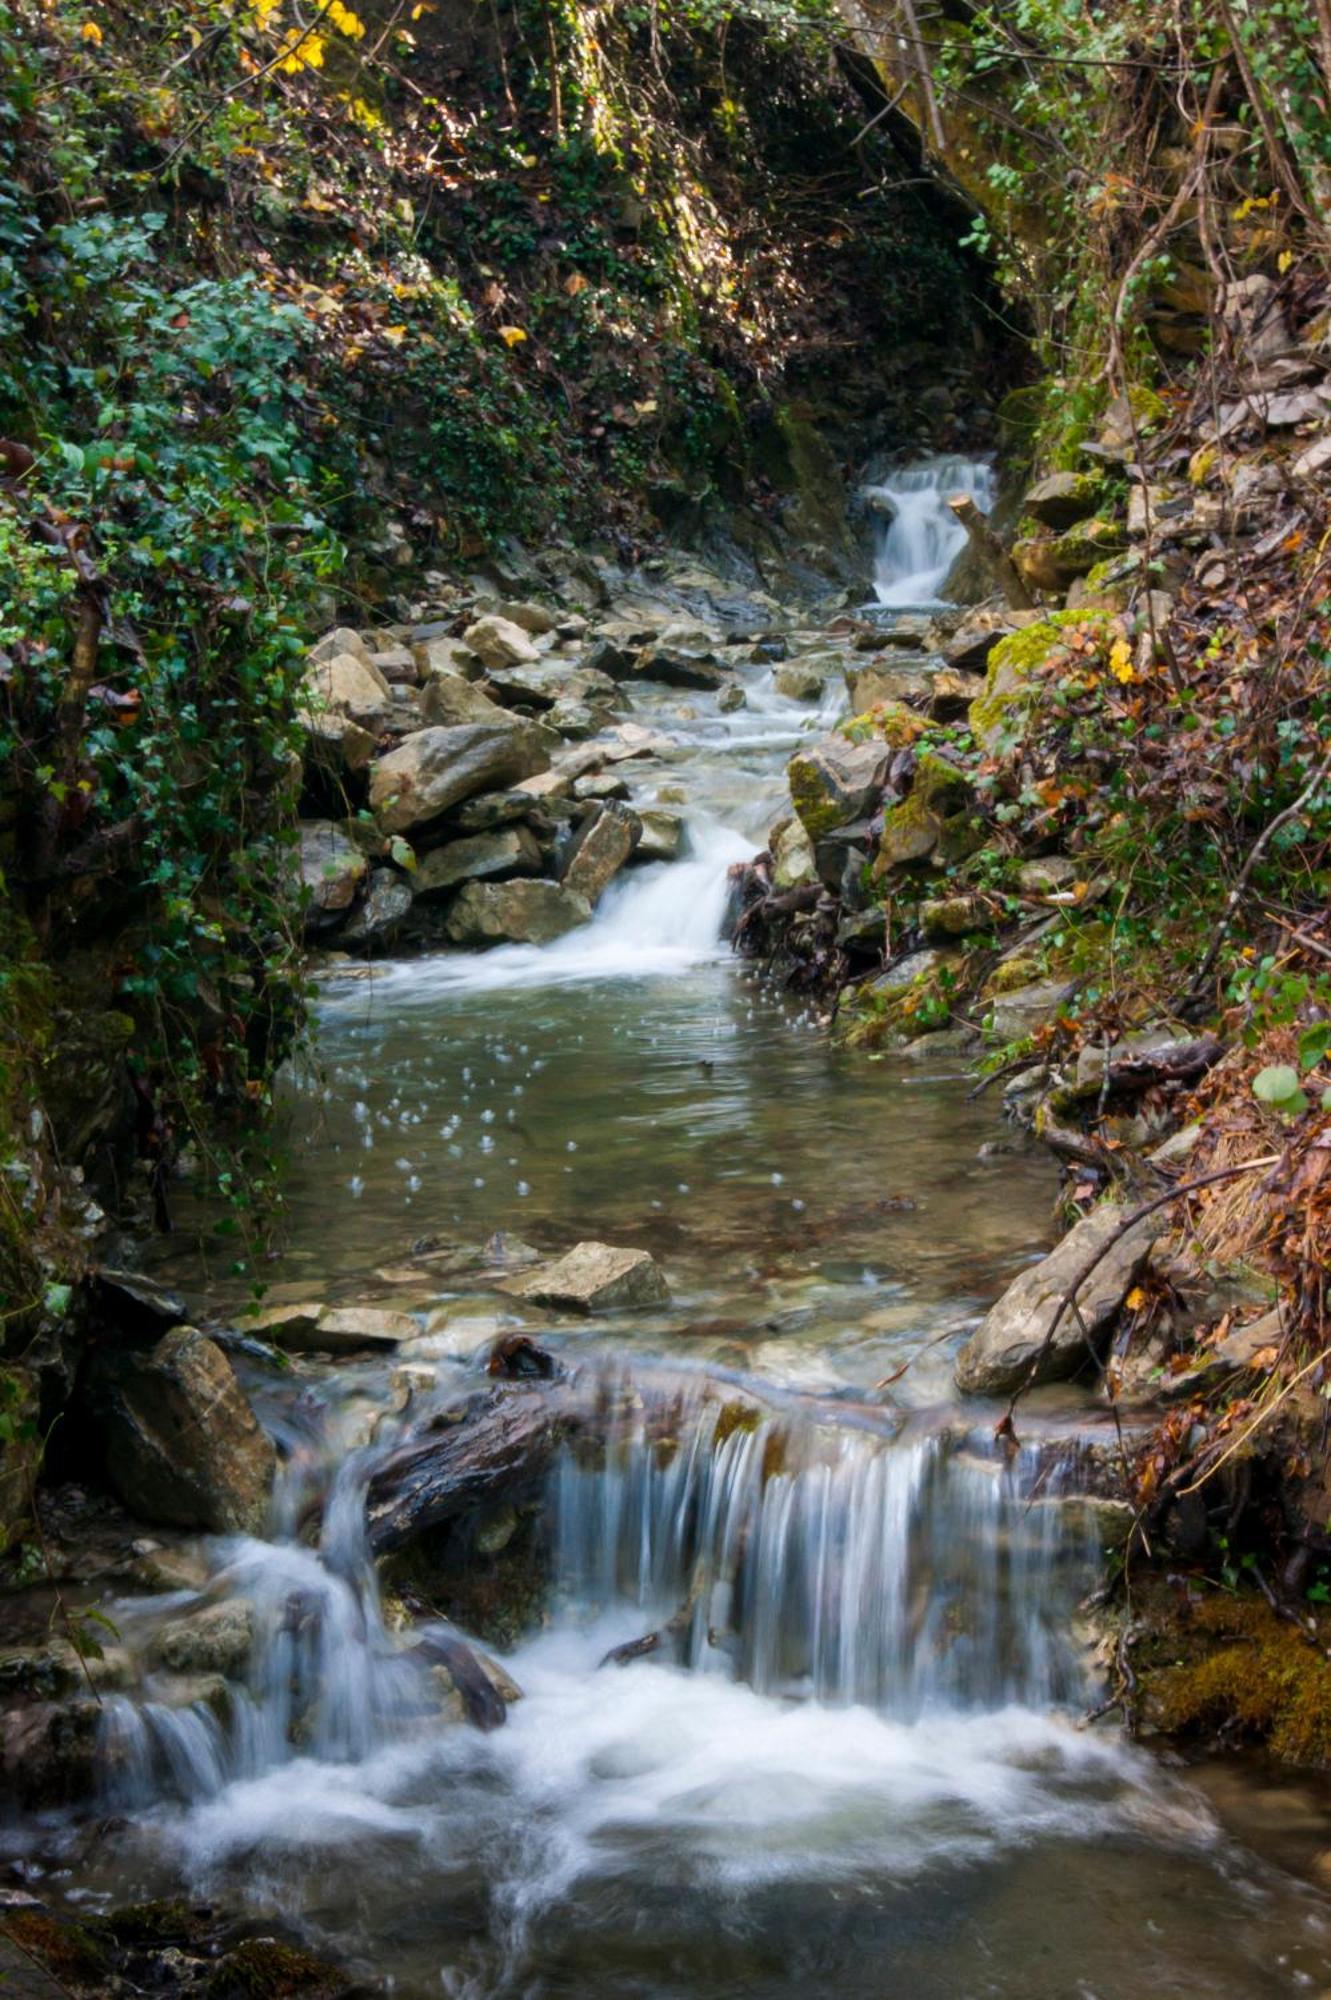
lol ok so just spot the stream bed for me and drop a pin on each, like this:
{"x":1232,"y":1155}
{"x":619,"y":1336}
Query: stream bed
{"x":861,"y":1766}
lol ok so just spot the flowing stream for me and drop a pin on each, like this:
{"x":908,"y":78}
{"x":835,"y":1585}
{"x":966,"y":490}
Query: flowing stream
{"x":853,"y":1761}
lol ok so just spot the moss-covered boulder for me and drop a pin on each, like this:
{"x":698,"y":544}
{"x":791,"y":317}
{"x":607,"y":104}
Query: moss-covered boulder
{"x":1018,"y":672}
{"x":935,"y":819}
{"x":1052,"y":562}
{"x":836,"y":781}
{"x":1063,"y":499}
{"x":890,"y":722}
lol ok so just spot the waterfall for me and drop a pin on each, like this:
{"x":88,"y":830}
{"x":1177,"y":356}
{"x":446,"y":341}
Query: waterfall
{"x":903,"y":1576}
{"x":920,"y":539}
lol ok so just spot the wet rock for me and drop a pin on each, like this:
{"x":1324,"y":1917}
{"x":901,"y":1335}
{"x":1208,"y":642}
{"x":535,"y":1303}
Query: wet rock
{"x":386,"y":906}
{"x":533,"y":688}
{"x":662,"y":835}
{"x":439,"y":768}
{"x":136,"y":1305}
{"x":876,"y":686}
{"x":863,"y":935}
{"x":910,"y":629}
{"x":573,"y":719}
{"x":213,"y":1640}
{"x":600,"y":850}
{"x":449,"y":701}
{"x":792,"y":856}
{"x":49,"y":1753}
{"x":834,"y":782}
{"x":731,"y":698}
{"x":801,"y":680}
{"x":673,"y":667}
{"x":594,"y":1277}
{"x":497,"y":642}
{"x":609,"y":656}
{"x":316,"y":1328}
{"x":54,"y":1668}
{"x":1012,"y":1343}
{"x":979,"y":632}
{"x":519,"y":912}
{"x":601,"y":785}
{"x":182,"y":1444}
{"x":332,"y":870}
{"x":510,"y":850}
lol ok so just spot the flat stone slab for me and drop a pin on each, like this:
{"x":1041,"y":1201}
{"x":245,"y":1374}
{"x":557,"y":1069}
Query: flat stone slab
{"x":594,"y":1277}
{"x":1011,"y":1349}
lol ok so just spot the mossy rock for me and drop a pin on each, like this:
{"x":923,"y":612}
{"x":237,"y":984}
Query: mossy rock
{"x":1052,"y":562}
{"x":890,"y":722}
{"x":1235,"y":1666}
{"x":1064,"y":498}
{"x":1015,"y":678}
{"x":265,"y":1969}
{"x":936,"y":818}
{"x":70,"y":1952}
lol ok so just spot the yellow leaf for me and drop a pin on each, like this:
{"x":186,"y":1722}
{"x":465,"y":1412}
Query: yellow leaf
{"x":1136,"y":1299}
{"x":647,"y":409}
{"x":1284,"y":260}
{"x":512,"y":335}
{"x":345,"y":21}
{"x":1120,"y":661}
{"x":395,"y":335}
{"x":300,"y":50}
{"x":577,"y":283}
{"x":90,"y":32}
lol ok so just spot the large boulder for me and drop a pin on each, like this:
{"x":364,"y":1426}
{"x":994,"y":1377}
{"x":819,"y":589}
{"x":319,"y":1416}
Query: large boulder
{"x":348,"y":684}
{"x":332,"y":869}
{"x":508,"y":850}
{"x":438,"y":768}
{"x":1012,"y":1347}
{"x":603,"y":844}
{"x":385,"y":909}
{"x":673,"y":667}
{"x":834,"y":782}
{"x":498,"y":642}
{"x":662,"y":835}
{"x":519,"y":912}
{"x":182,"y":1445}
{"x":1064,"y":498}
{"x":594,"y":1277}
{"x":449,"y":700}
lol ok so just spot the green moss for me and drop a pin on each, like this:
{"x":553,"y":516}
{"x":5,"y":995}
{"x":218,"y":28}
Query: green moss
{"x":69,"y":1951}
{"x":263,"y":1969}
{"x":1245,"y":1669}
{"x":891,"y":722}
{"x":1015,"y":676}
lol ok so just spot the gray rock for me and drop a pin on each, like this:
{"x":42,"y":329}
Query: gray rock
{"x":1020,"y":1013}
{"x":438,"y":768}
{"x":1010,"y":1345}
{"x":600,"y":849}
{"x":448,"y":701}
{"x":1043,"y":877}
{"x":673,"y":667}
{"x":792,"y":856}
{"x":183,"y":1446}
{"x":834,"y":782}
{"x":50,"y":1755}
{"x":397,"y":664}
{"x":662,"y":835}
{"x":609,"y":656}
{"x":573,"y":719}
{"x":978,"y":633}
{"x":491,"y":809}
{"x":386,"y":906}
{"x":510,"y":850}
{"x":871,"y":686}
{"x":315,"y":1328}
{"x":532,"y":618}
{"x":519,"y":912}
{"x":1063,"y":499}
{"x":332,"y":869}
{"x":347,"y":684}
{"x":342,"y":639}
{"x":601,"y":785}
{"x":801,"y":680}
{"x":594,"y":1277}
{"x":441,"y":654}
{"x":731,"y":698}
{"x":498,"y":642}
{"x":213,"y":1640}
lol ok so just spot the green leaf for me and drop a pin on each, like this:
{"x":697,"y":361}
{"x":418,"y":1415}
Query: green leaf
{"x":1275,"y":1083}
{"x":1313,"y":1044}
{"x":402,"y":853}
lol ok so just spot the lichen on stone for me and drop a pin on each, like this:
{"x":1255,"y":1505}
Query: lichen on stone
{"x":1018,"y":669}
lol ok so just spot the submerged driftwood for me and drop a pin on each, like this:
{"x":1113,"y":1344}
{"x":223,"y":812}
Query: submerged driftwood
{"x":502,"y":1439}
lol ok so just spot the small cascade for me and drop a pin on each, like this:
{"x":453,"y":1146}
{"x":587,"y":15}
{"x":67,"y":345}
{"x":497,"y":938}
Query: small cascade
{"x":904,"y":1576}
{"x":920,"y":538}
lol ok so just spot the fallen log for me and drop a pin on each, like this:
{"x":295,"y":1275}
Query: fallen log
{"x":504,"y":1438}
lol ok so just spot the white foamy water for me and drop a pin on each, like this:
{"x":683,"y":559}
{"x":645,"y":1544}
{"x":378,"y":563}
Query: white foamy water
{"x":922,"y":537}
